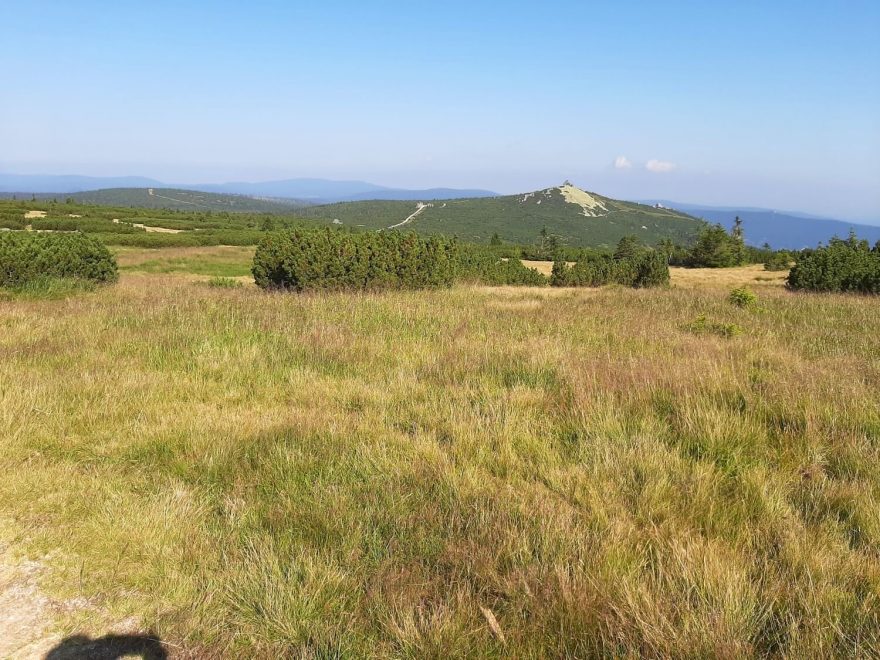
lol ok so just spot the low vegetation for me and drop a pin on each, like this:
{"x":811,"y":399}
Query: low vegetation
{"x":743,"y":297}
{"x":462,"y":471}
{"x":631,"y":265}
{"x":304,"y":259}
{"x":477,"y":265}
{"x":843,"y":265}
{"x":779,"y":261}
{"x":29,"y":256}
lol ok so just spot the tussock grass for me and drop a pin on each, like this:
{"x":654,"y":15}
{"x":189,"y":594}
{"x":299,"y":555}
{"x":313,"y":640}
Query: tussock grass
{"x":219,"y":261}
{"x":266,"y":475}
{"x":48,"y":288}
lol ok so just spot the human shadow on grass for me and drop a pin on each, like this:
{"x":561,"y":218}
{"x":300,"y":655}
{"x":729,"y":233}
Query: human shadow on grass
{"x":109,"y":647}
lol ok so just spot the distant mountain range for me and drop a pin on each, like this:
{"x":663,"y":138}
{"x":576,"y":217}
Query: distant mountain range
{"x":312,"y":190}
{"x":175,"y":199}
{"x":782,"y":230}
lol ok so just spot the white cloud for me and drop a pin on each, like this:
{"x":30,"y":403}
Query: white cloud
{"x":622,"y":163}
{"x":659,"y":166}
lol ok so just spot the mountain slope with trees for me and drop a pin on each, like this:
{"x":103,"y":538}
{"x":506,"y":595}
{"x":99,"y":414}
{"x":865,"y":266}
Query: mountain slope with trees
{"x":573,"y":216}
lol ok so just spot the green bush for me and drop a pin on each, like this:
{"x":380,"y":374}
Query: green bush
{"x":88,"y":225}
{"x":644,"y":268}
{"x":26,"y":256}
{"x":701,"y":326}
{"x":844,"y":265}
{"x":651,"y":270}
{"x":221,"y":282}
{"x":743,"y":297}
{"x":480,"y":265}
{"x":715,"y":248}
{"x":184,"y":239}
{"x":12,"y":221}
{"x":778,"y":261}
{"x":304,"y":259}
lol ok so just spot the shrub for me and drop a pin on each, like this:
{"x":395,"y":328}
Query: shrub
{"x":778,"y":261}
{"x":26,"y":256}
{"x":225,"y":283}
{"x":483,"y":266}
{"x":184,"y":239}
{"x":715,"y":248}
{"x":742,"y":297}
{"x":304,"y":259}
{"x":645,"y":268}
{"x":88,"y":225}
{"x":701,"y":325}
{"x":652,"y":270}
{"x":844,"y":265}
{"x":12,"y":221}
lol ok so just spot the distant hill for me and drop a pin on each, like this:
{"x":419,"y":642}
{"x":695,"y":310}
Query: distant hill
{"x":782,"y":230}
{"x":35,"y":183}
{"x":176,"y":199}
{"x":578,"y":217}
{"x":322,"y":190}
{"x":325,"y":190}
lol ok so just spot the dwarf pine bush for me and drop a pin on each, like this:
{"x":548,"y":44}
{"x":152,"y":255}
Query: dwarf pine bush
{"x":644,"y":268}
{"x":777,"y":261}
{"x":303,"y":259}
{"x":742,"y":297}
{"x":29,"y":256}
{"x":481,"y":266}
{"x":843,"y":265}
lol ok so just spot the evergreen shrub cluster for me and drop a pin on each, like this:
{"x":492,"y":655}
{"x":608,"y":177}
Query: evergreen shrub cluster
{"x":743,"y":297}
{"x":843,"y":265}
{"x":30,"y":256}
{"x":631,"y":265}
{"x":12,"y":221}
{"x":484,"y":266}
{"x":305,"y":259}
{"x":778,"y":261}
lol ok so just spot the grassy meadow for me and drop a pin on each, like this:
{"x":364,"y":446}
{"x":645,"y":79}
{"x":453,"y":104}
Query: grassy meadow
{"x":473,"y":472}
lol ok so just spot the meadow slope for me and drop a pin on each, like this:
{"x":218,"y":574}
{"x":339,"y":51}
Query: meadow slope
{"x":467,"y":472}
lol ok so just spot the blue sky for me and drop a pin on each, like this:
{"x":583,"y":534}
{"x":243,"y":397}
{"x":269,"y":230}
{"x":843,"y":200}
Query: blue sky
{"x":749,"y":103}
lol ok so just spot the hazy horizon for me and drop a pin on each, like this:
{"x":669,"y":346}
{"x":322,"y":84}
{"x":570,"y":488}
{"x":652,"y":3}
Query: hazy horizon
{"x":775,"y":107}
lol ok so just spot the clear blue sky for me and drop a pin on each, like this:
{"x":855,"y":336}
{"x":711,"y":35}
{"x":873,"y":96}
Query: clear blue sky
{"x":759,"y":103}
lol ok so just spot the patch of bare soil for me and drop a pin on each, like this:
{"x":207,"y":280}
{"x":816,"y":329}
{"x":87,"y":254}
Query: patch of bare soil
{"x":157,"y":230}
{"x":29,"y":621}
{"x":27,"y":615}
{"x":30,"y":215}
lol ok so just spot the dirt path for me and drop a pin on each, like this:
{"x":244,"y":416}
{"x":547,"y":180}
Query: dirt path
{"x":29,"y":621}
{"x":27,"y":615}
{"x":151,"y":192}
{"x":419,"y":208}
{"x":156,"y":230}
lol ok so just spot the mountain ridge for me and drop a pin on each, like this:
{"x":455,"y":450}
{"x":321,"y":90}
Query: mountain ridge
{"x":789,"y":230}
{"x":303,"y":188}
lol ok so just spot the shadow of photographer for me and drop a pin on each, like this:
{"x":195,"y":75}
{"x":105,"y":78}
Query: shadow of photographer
{"x":109,"y":647}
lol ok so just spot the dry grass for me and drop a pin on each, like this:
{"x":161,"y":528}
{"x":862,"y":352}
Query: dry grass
{"x":713,"y":278}
{"x":257,"y":474}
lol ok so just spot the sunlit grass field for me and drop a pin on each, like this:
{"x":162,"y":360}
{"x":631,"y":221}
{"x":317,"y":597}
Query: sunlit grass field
{"x":469,"y":472}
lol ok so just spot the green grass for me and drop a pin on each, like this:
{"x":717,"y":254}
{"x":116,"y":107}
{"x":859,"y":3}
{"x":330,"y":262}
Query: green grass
{"x":197,"y":265}
{"x":48,"y":288}
{"x":266,"y":475}
{"x":225,"y":283}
